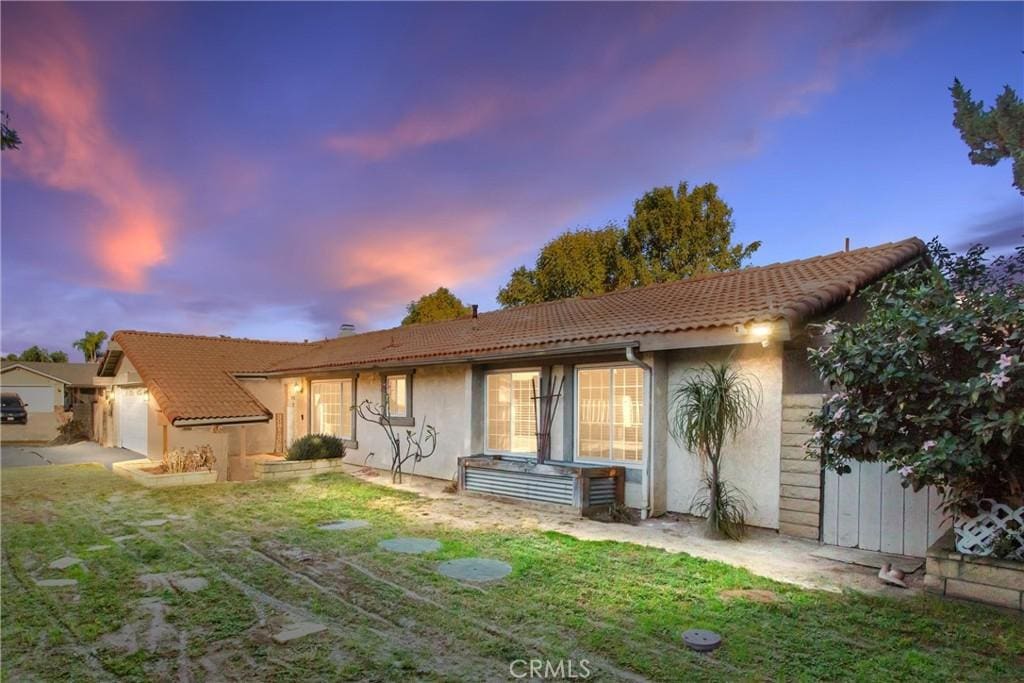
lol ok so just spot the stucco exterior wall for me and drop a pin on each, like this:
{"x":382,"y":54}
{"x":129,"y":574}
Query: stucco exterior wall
{"x":752,"y":462}
{"x":442,"y":398}
{"x":193,"y":437}
{"x":259,"y":436}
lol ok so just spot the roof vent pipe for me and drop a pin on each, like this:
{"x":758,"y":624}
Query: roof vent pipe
{"x":346,"y":330}
{"x":475,"y":310}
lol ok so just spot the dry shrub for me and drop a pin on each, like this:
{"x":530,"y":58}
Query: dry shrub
{"x":181,"y":460}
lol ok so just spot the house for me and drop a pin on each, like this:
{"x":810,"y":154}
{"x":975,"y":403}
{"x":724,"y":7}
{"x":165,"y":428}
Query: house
{"x":54,"y":393}
{"x":619,"y":354}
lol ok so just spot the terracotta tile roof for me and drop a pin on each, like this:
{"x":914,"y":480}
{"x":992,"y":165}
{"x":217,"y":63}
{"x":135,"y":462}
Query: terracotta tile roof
{"x":191,"y":376}
{"x":75,"y":374}
{"x":791,"y":291}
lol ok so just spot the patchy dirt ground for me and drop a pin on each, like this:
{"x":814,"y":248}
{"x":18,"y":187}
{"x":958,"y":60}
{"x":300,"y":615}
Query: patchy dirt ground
{"x":763,"y":552}
{"x":243,"y":582}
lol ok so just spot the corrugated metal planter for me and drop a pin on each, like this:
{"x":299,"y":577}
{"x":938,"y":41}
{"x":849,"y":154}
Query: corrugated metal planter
{"x":585,"y":488}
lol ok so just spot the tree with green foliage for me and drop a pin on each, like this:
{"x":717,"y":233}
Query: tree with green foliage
{"x":439,"y":305}
{"x":91,"y":345}
{"x":931,"y":381}
{"x":576,"y":263}
{"x":676,"y":235}
{"x":37,"y":354}
{"x":671,"y":235}
{"x":991,"y":135}
{"x":9,"y":138}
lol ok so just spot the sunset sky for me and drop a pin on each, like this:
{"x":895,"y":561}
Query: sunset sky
{"x":274,"y":170}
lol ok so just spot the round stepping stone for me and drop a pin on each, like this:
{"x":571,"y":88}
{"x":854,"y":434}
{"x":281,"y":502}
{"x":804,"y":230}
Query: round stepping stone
{"x":65,"y":562}
{"x":94,"y":548}
{"x":56,"y":583}
{"x":699,"y":640}
{"x":344,"y":525}
{"x":153,"y":522}
{"x":410,"y":546}
{"x":476,"y":569}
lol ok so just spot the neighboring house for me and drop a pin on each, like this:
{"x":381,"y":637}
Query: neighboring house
{"x":620,"y":354}
{"x":54,"y":392}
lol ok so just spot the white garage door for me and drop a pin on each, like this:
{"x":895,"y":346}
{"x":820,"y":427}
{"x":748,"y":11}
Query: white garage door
{"x":868,"y":508}
{"x":133,"y":418}
{"x":39,"y":399}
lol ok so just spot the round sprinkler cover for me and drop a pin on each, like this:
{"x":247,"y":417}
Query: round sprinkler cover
{"x":410,"y":546}
{"x":344,"y":524}
{"x":699,"y":640}
{"x":475,"y":569}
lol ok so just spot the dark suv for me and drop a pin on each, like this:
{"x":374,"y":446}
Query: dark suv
{"x":12,"y":409}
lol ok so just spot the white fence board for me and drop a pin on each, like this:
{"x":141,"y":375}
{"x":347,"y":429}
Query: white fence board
{"x":869,"y":508}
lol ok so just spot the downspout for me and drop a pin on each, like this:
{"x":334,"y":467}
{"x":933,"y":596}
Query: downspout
{"x":645,"y":512}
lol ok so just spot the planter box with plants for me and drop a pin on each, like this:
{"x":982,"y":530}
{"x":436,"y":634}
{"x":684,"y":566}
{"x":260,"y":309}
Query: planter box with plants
{"x":179,"y":467}
{"x":310,"y":455}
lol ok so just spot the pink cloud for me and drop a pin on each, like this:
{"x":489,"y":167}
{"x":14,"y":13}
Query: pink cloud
{"x":421,"y":128}
{"x":51,"y":73}
{"x":403,"y":257}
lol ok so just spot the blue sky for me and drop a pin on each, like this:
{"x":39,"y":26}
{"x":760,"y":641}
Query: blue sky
{"x":273,"y":170}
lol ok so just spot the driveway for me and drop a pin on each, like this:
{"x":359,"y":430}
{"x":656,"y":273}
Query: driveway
{"x":72,"y":454}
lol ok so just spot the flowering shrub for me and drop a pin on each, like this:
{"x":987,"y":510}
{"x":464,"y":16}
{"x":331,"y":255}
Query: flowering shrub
{"x":931,"y":381}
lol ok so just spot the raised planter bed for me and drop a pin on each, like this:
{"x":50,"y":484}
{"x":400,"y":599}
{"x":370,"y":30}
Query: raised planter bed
{"x":296,"y":469}
{"x":136,"y":471}
{"x":584,"y":488}
{"x":973,"y":577}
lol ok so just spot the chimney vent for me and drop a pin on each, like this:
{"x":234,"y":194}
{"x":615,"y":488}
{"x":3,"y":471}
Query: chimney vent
{"x":346,"y":330}
{"x":847,"y":245}
{"x":475,"y":310}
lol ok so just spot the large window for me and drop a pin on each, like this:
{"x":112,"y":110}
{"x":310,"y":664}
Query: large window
{"x":331,"y":408}
{"x":610,"y":413}
{"x":512,"y":412}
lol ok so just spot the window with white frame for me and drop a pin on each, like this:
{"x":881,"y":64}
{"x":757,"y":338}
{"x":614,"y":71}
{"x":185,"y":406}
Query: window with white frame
{"x":610,"y":413}
{"x":331,"y":408}
{"x":512,"y":412}
{"x":397,"y":388}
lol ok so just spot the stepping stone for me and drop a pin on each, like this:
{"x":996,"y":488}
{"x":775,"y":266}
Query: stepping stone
{"x":153,"y":522}
{"x":344,"y":525}
{"x":179,"y":518}
{"x":189,"y":584}
{"x":122,"y":539}
{"x":153,"y":581}
{"x":94,"y":548}
{"x":56,"y":583}
{"x":476,"y":569}
{"x":410,"y":546}
{"x":65,"y":562}
{"x":299,"y":630}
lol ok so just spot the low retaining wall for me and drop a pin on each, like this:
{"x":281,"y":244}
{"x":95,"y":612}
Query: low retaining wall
{"x":981,"y":579}
{"x":133,"y":469}
{"x":295,"y":469}
{"x":800,"y":475}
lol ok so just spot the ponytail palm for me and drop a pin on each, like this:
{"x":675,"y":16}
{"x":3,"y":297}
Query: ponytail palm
{"x":711,"y":406}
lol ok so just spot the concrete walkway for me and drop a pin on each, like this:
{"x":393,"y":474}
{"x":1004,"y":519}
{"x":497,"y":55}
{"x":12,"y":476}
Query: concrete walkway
{"x":763,"y":552}
{"x":71,"y":454}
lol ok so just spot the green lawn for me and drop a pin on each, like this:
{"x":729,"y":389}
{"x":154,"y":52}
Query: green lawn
{"x":392,"y":617}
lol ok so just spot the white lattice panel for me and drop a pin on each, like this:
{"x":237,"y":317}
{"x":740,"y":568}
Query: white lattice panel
{"x":977,"y":535}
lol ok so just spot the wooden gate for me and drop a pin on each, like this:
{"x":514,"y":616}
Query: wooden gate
{"x":869,"y":509}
